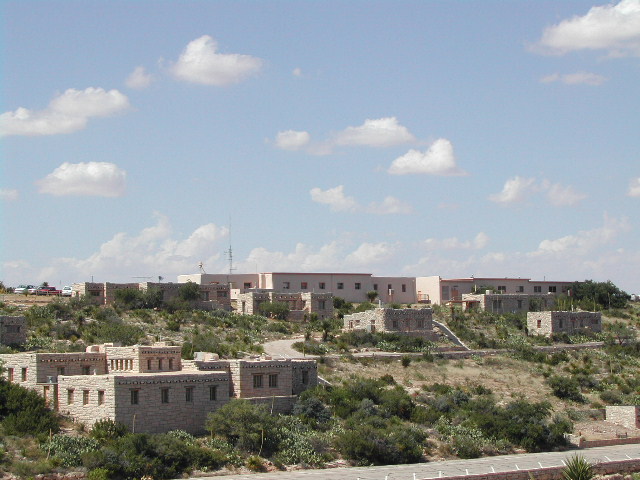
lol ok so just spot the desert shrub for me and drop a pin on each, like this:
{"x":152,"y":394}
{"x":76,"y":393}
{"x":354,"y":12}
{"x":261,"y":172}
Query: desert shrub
{"x":578,"y":468}
{"x":279,"y":327}
{"x":467,"y":441}
{"x":69,"y":450}
{"x":255,"y":464}
{"x":106,"y":430}
{"x":98,"y":474}
{"x":310,"y":409}
{"x":566,"y":388}
{"x":612,"y":397}
{"x":296,"y":445}
{"x":24,"y":412}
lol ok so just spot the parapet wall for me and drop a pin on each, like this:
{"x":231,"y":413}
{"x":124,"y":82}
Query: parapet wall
{"x":548,"y":323}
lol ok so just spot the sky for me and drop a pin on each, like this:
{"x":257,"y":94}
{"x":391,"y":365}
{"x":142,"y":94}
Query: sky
{"x":140,"y":139}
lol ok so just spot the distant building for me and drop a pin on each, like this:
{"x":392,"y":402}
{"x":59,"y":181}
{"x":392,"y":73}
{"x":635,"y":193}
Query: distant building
{"x":352,"y":287}
{"x":438,"y":290}
{"x":151,"y":389}
{"x":550,"y":323}
{"x":301,"y":304}
{"x":506,"y":302}
{"x":13,"y":330}
{"x":211,"y":296}
{"x":407,"y":321}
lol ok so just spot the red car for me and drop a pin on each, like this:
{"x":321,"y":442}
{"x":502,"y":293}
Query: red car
{"x":48,"y":291}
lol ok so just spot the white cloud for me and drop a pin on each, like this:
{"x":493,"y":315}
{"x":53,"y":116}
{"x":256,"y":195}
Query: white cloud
{"x":292,"y":140}
{"x":613,"y":28}
{"x":370,"y":254}
{"x":479,"y":242}
{"x":100,"y":179}
{"x":8,"y":194}
{"x":515,"y":190}
{"x":201,"y":63}
{"x":585,"y":241}
{"x":634,"y":187}
{"x":66,"y":113}
{"x":153,"y":251}
{"x":382,"y":132}
{"x":139,"y":78}
{"x":437,"y":160}
{"x":335,"y":198}
{"x":297,"y":72}
{"x":389,"y":206}
{"x":339,"y":202}
{"x":560,"y":195}
{"x":578,"y":78}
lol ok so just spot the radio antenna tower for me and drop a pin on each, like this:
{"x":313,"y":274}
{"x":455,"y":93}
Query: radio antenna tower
{"x":229,"y":252}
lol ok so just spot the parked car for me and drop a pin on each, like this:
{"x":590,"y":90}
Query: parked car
{"x":32,"y":290}
{"x":22,"y":289}
{"x":67,"y":291}
{"x":48,"y":291}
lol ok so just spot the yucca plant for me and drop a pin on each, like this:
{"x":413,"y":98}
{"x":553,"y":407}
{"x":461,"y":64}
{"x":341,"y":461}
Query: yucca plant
{"x":578,"y":468}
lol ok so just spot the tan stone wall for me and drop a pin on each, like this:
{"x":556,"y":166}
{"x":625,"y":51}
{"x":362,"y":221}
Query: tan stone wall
{"x":548,"y":323}
{"x":143,"y":358}
{"x":244,"y":373}
{"x":304,"y":375}
{"x":84,"y":407}
{"x":412,"y":321}
{"x":627,"y":416}
{"x":20,"y":368}
{"x":151,"y":415}
{"x":505,"y":302}
{"x":13,"y":330}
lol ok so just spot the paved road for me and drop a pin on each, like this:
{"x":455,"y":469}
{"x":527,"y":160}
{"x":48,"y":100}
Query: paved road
{"x":434,"y":470}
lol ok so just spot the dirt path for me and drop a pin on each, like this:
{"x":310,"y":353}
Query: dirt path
{"x":282,"y":348}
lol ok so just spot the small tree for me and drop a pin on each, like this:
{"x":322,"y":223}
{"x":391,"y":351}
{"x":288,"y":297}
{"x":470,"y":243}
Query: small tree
{"x":189,"y":292}
{"x":279,"y":310}
{"x":372,"y":295}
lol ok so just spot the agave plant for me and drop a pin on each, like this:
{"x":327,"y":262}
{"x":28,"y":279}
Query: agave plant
{"x":578,"y":468}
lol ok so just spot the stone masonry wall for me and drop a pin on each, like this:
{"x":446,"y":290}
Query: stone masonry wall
{"x":627,"y":416}
{"x":79,"y":399}
{"x":304,"y":374}
{"x":548,"y":323}
{"x":507,"y":303}
{"x":416,"y":321}
{"x":13,"y":330}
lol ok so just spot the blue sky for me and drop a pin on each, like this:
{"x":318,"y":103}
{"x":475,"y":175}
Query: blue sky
{"x":392,"y":137}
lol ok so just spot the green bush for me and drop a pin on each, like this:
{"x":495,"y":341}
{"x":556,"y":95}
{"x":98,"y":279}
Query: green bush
{"x":24,"y":412}
{"x":106,"y":430}
{"x":566,"y":388}
{"x":69,"y":450}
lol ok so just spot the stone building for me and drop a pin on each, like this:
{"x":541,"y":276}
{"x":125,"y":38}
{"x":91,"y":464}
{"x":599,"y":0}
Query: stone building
{"x":408,"y":321}
{"x":13,"y":330}
{"x":549,"y":323}
{"x":150,"y":389}
{"x":506,"y":302}
{"x":627,"y":416}
{"x":212,"y":296}
{"x":301,"y":304}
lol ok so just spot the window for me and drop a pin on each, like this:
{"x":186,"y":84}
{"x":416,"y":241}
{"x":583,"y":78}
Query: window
{"x":520,"y":304}
{"x":171,"y":364}
{"x":164,"y":395}
{"x":305,"y":377}
{"x":24,"y":374}
{"x":552,"y":289}
{"x":10,"y":374}
{"x":188,"y":394}
{"x":86,"y":370}
{"x":213,"y":393}
{"x":560,"y":323}
{"x":70,"y":393}
{"x":134,"y":397}
{"x":60,"y":370}
{"x":537,"y":289}
{"x":404,"y":287}
{"x":149,"y":364}
{"x":394,"y":324}
{"x":520,"y":289}
{"x":100,"y":397}
{"x":375,"y":287}
{"x":273,"y":380}
{"x":286,"y":285}
{"x":159,"y":364}
{"x":594,"y":321}
{"x":357,"y":286}
{"x":539,"y":323}
{"x":321,"y":285}
{"x":340,"y":286}
{"x":257,"y":381}
{"x":420,"y":324}
{"x":502,"y":288}
{"x":389,"y":287}
{"x":322,"y":304}
{"x":247,"y":285}
{"x":303,"y":285}
{"x":85,"y":397}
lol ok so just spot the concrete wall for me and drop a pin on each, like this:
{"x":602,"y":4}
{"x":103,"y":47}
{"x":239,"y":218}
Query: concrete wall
{"x":548,"y":323}
{"x":13,"y":330}
{"x":408,"y":321}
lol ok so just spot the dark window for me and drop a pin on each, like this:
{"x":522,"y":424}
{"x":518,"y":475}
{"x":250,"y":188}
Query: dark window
{"x":321,"y":285}
{"x":404,"y":287}
{"x":171,"y":364}
{"x":86,"y":370}
{"x":305,"y":377}
{"x":149,"y":364}
{"x":134,"y":397}
{"x":85,"y":397}
{"x":24,"y":374}
{"x":10,"y":374}
{"x":375,"y":287}
{"x":502,"y":288}
{"x":257,"y":381}
{"x":247,"y":285}
{"x":552,"y":289}
{"x":340,"y":286}
{"x":213,"y":393}
{"x":164,"y":395}
{"x":273,"y":380}
{"x":357,"y":286}
{"x":70,"y":396}
{"x":286,"y":286}
{"x":100,"y":397}
{"x":303,"y":286}
{"x":188,"y":394}
{"x":60,"y":370}
{"x":537,"y":289}
{"x":520,"y":289}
